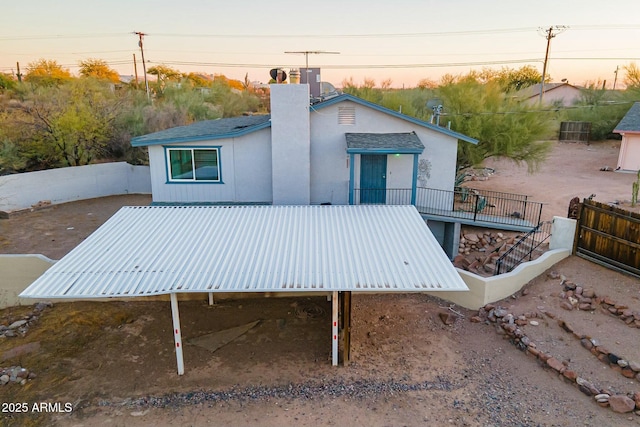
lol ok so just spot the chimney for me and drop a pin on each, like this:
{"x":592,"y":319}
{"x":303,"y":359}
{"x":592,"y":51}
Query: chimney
{"x":290,"y":144}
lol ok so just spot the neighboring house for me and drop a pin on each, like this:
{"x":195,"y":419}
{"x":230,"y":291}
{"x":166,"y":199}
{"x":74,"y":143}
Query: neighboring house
{"x":560,"y":94}
{"x":629,"y":128}
{"x":344,"y":150}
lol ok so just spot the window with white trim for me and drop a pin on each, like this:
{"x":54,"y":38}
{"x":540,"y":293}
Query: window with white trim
{"x":193,"y":164}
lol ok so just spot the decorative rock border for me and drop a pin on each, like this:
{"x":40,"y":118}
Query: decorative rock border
{"x":21,"y":326}
{"x":16,"y":375}
{"x":580,"y":298}
{"x":508,"y":325}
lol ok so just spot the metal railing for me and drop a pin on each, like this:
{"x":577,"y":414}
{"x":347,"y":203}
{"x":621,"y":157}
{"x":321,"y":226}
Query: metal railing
{"x":462,"y":203}
{"x":524,"y":248}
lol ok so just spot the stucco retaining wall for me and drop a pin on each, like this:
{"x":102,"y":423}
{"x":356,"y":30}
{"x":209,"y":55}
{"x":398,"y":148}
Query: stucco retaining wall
{"x":16,"y":273}
{"x":21,"y":191}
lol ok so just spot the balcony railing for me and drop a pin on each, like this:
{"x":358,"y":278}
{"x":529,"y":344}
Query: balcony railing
{"x":466,"y":204}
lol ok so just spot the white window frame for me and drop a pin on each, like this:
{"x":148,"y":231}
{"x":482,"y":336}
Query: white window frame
{"x":193,"y":180}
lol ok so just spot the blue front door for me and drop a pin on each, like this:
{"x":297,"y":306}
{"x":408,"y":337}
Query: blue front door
{"x":373,"y":179}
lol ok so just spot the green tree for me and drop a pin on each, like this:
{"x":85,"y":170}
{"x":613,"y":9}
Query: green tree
{"x":600,"y":107}
{"x":197,"y":80}
{"x":7,"y":82}
{"x":513,"y":80}
{"x":75,"y":120}
{"x":503,"y":127}
{"x":632,"y":76}
{"x":11,"y":159}
{"x":367,"y":90}
{"x":46,"y":72}
{"x":164,"y":75}
{"x":230,"y":101}
{"x":98,"y":69}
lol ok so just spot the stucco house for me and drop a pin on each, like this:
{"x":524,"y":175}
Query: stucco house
{"x":561,"y":94}
{"x":629,"y":128}
{"x":341,"y":151}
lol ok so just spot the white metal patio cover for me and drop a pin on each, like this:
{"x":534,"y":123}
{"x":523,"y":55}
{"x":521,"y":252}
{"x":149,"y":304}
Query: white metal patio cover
{"x":156,"y":250}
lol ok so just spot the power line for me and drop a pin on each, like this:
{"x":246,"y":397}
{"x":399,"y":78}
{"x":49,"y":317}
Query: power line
{"x":352,"y":66}
{"x":612,"y":27}
{"x":62,"y":36}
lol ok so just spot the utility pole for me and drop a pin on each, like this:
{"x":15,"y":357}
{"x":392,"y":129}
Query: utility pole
{"x":549,"y":34}
{"x":144,"y":66}
{"x":616,"y":77}
{"x":135,"y":69}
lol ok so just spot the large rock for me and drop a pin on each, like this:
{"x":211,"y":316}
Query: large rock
{"x":447,"y":318}
{"x":472,"y":238}
{"x":622,"y":404}
{"x":17,"y":324}
{"x":556,"y":365}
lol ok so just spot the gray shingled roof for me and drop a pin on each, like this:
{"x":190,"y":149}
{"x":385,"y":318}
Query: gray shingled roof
{"x":406,"y":142}
{"x":631,"y":121}
{"x":208,"y":129}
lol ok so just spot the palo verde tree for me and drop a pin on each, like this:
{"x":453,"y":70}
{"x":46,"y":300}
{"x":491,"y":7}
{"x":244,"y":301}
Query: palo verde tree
{"x":98,"y":69}
{"x":632,"y":76}
{"x":504,"y":127}
{"x":513,"y":80}
{"x":75,"y":120}
{"x":46,"y":72}
{"x":7,"y":82}
{"x":164,"y":75}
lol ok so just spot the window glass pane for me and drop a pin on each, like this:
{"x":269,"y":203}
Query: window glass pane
{"x":206,"y":165}
{"x":181,"y":165}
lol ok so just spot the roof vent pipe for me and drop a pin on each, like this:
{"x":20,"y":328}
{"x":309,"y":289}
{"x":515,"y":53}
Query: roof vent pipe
{"x":294,"y":76}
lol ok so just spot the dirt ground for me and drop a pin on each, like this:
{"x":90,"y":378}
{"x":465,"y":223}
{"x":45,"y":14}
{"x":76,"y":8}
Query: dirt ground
{"x":115,"y":362}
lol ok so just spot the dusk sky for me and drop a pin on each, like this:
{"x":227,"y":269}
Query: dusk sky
{"x":401,"y":40}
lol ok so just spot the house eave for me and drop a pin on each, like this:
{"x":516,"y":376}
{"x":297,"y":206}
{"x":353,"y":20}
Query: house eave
{"x":422,"y":123}
{"x":141,"y":142}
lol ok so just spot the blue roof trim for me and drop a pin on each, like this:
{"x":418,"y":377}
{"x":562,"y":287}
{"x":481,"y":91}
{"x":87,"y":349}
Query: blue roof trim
{"x":204,"y":131}
{"x":347,"y":97}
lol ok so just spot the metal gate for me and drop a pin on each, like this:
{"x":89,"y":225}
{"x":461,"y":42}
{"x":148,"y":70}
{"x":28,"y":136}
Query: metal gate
{"x":609,"y":236}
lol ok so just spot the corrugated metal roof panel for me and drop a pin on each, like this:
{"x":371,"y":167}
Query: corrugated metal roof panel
{"x":154,"y":250}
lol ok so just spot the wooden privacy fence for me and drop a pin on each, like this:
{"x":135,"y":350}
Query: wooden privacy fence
{"x":575,"y":131}
{"x":609,"y":236}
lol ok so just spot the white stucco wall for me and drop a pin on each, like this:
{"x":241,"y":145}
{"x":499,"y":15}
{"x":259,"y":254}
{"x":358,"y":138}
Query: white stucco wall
{"x":564,"y":95}
{"x":245,"y":165}
{"x":563,"y":231}
{"x":21,"y":191}
{"x":329,"y":165}
{"x":629,"y":156}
